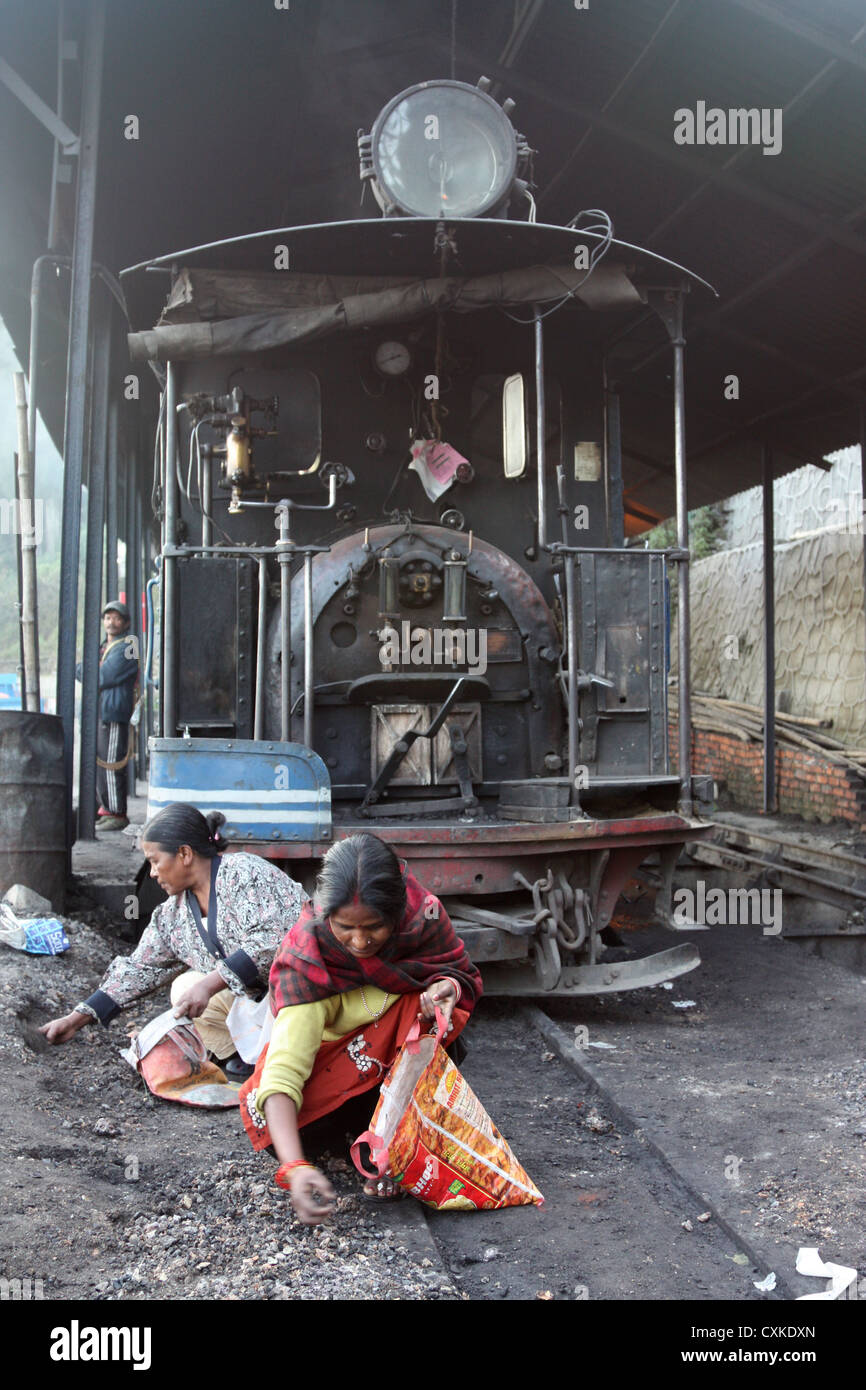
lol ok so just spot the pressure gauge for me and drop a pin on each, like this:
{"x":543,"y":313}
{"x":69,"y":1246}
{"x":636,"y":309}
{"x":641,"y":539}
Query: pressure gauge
{"x":392,"y":359}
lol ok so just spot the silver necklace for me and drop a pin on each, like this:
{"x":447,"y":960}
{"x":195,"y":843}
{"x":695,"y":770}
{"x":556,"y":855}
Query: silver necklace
{"x":367,"y":1006}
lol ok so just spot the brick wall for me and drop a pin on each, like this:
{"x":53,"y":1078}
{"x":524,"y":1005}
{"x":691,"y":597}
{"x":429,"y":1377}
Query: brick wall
{"x":806,"y":785}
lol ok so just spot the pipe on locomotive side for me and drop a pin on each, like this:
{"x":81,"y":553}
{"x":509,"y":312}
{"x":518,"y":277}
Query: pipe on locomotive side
{"x":684,"y":717}
{"x":284,"y":556}
{"x":168,"y":669}
{"x":308,"y":648}
{"x":259,"y":716}
{"x":540,"y":450}
{"x":571,"y":641}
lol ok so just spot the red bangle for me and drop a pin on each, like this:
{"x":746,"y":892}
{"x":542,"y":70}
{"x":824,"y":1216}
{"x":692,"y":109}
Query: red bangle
{"x":286,"y":1168}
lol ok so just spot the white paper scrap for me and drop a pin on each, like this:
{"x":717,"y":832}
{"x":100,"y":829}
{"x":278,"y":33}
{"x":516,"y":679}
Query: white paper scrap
{"x":684,"y":1003}
{"x":766,"y":1285}
{"x":608,"y":1046}
{"x":809,"y":1262}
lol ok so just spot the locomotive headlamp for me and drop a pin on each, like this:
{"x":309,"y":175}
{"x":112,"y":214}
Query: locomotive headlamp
{"x":442,"y":149}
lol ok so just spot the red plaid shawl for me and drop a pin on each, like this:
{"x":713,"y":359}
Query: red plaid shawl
{"x":311,"y":964}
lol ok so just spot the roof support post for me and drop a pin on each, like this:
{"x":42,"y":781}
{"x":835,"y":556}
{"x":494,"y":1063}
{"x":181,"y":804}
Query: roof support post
{"x":863,"y":490}
{"x":770,"y":804}
{"x":668,"y":304}
{"x":111,"y":507}
{"x":94,"y":550}
{"x":75,"y":424}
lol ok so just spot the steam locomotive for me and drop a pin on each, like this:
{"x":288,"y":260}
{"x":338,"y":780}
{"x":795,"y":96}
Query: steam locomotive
{"x":393,"y":588}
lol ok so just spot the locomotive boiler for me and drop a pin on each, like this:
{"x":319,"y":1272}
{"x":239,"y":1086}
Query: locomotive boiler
{"x":394,"y":593}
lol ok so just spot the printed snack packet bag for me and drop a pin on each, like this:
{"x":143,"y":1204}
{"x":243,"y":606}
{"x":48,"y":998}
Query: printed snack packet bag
{"x":431,"y":1135}
{"x":38,"y":936}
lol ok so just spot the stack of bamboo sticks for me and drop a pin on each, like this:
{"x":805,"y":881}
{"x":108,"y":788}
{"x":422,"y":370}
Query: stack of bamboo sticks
{"x":746,"y":722}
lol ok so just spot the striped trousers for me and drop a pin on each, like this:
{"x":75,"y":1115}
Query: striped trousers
{"x":112,"y":741}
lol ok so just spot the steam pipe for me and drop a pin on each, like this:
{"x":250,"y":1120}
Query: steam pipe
{"x":205,"y":456}
{"x":684,"y":729}
{"x":284,"y":556}
{"x":571,"y":639}
{"x":308,"y":649}
{"x":258,"y":726}
{"x":540,"y":444}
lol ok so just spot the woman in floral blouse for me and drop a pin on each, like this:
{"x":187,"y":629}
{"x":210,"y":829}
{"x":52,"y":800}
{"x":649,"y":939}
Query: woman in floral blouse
{"x":225,"y":918}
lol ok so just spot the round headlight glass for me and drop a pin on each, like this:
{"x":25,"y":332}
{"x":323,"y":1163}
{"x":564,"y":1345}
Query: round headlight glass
{"x":444,"y":149}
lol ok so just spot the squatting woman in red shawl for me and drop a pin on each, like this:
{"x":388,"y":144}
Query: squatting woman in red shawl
{"x":372,"y":954}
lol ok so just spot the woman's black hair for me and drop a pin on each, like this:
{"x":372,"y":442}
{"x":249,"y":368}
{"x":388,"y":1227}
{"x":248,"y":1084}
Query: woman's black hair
{"x":362,"y":866}
{"x":182,"y":824}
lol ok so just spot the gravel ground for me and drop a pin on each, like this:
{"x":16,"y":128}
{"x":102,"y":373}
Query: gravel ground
{"x":758,"y":1091}
{"x":107,"y":1193}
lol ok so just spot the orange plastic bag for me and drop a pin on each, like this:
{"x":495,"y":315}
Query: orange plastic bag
{"x":431,"y":1135}
{"x":171,"y":1056}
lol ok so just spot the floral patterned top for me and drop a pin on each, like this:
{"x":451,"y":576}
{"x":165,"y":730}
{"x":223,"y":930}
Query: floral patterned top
{"x":256,"y":905}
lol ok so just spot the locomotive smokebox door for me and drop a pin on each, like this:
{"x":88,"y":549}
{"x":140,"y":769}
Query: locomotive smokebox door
{"x":216,"y":645}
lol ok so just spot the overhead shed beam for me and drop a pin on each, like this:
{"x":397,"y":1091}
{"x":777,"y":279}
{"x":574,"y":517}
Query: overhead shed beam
{"x":677,"y":155}
{"x":524,"y":24}
{"x":664,"y":26}
{"x":832,"y":383}
{"x":793,"y":24}
{"x":792,"y":112}
{"x":66,"y":138}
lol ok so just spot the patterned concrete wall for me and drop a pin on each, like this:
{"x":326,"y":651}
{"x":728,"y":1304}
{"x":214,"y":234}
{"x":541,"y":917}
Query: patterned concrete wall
{"x":820,"y":628}
{"x":809,"y":499}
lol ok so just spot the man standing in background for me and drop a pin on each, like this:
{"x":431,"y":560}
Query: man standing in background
{"x":118,"y":685}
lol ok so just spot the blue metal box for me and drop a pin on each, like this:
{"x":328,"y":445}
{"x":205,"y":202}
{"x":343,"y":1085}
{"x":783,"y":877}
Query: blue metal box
{"x":266,"y":791}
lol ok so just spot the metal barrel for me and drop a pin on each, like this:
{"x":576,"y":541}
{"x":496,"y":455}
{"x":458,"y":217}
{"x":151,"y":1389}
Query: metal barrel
{"x":33,"y":804}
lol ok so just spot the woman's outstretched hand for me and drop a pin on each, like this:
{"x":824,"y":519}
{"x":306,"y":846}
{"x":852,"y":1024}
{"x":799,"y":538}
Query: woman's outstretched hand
{"x":60,"y":1030}
{"x":443,"y":996}
{"x":313,"y":1197}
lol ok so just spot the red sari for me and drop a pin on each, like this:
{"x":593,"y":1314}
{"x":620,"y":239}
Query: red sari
{"x":312,"y":965}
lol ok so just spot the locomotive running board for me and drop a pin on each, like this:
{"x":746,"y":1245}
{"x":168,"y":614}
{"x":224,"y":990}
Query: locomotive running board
{"x":594,"y":979}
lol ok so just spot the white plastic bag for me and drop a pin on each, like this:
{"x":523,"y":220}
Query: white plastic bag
{"x":250,"y":1025}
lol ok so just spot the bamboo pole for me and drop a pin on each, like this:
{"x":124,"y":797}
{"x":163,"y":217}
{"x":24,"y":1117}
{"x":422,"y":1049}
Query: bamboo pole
{"x":807,"y":720}
{"x":27,"y":529}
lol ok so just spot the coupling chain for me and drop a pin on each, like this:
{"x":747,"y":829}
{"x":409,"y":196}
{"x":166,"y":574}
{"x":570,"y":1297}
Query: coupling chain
{"x":557,"y":904}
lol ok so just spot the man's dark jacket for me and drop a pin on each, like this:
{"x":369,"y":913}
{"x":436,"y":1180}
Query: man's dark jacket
{"x":118,"y":673}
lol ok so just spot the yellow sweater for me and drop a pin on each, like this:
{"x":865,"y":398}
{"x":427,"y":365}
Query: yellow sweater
{"x":300,"y":1030}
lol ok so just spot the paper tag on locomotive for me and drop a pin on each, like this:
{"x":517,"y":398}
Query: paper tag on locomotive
{"x":436,"y":465}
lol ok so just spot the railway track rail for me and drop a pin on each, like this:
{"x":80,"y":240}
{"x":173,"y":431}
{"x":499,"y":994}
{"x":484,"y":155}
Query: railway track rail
{"x":783,"y":861}
{"x":624,"y":1217}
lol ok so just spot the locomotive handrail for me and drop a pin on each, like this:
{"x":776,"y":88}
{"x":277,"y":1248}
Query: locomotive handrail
{"x":672,"y":552}
{"x":148,"y":660}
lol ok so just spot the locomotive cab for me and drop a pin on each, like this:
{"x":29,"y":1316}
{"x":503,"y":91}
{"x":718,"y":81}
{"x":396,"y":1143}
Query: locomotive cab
{"x":394,"y":590}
